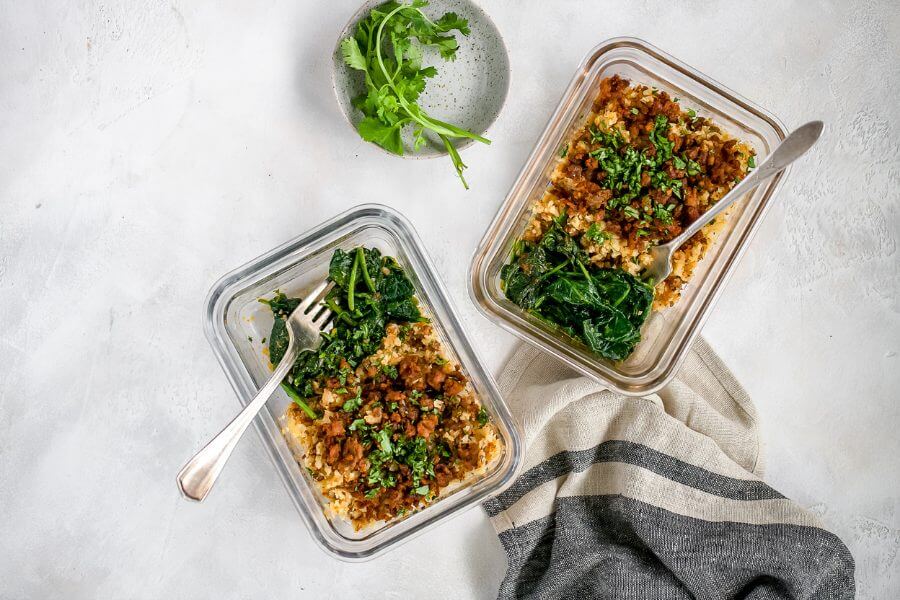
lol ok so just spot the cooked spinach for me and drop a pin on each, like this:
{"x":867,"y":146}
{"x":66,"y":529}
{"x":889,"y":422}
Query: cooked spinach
{"x":370,"y":291}
{"x":553,"y":280}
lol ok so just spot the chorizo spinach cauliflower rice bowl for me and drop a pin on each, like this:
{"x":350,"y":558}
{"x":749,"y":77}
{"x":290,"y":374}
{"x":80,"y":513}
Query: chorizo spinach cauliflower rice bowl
{"x":384,"y":420}
{"x":633,"y":176}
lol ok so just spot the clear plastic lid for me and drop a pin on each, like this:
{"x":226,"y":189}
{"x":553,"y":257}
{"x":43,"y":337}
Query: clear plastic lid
{"x":236,"y":323}
{"x":668,"y":334}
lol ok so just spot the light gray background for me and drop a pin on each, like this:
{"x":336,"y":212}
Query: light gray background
{"x":147,"y":147}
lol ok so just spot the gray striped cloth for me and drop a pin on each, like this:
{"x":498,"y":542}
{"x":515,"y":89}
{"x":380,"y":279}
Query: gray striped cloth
{"x":657,"y":497}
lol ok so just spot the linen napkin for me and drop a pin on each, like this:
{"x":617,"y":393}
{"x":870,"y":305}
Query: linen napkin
{"x":656,"y":497}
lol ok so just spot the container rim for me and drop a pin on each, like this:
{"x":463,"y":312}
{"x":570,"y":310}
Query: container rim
{"x":297,"y":249}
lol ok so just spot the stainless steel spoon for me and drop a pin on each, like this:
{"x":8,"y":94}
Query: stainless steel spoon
{"x":793,"y":147}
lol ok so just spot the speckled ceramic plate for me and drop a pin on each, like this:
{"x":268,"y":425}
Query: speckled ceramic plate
{"x":468,"y":92}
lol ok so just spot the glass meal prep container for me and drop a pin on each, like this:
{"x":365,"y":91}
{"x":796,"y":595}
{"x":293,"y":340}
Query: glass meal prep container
{"x":236,"y":323}
{"x":667,"y":335}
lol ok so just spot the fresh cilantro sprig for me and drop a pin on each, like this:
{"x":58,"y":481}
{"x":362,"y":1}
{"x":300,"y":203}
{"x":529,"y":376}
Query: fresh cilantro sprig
{"x":383,"y":48}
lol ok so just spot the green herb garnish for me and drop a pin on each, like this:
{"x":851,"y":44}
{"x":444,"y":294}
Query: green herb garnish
{"x":624,"y":165}
{"x":664,"y":213}
{"x":387,"y":46}
{"x":390,"y":371}
{"x":692,"y":167}
{"x":353,"y":403}
{"x":596,"y":234}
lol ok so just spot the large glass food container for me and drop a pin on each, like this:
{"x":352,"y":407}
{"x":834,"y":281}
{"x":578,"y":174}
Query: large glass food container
{"x":668,"y":334}
{"x":236,"y":323}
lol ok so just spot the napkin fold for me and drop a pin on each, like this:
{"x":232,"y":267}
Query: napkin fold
{"x":655,"y":497}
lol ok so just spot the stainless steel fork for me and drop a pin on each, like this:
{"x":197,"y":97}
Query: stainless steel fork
{"x":304,"y":327}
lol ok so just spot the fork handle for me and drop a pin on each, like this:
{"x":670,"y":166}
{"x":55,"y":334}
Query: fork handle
{"x":197,"y":477}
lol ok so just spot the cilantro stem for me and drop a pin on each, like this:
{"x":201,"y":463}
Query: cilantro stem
{"x":443,"y":130}
{"x":583,"y":270}
{"x":461,"y":132}
{"x":457,"y":161}
{"x":340,"y":312}
{"x":351,"y":284}
{"x":295,"y":396}
{"x":554,"y":270}
{"x":365,"y":270}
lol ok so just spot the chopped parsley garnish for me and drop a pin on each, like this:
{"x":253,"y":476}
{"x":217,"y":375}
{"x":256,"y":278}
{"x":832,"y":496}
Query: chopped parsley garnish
{"x":624,"y":165}
{"x":664,"y":213}
{"x":383,"y":437}
{"x":482,"y":417}
{"x":751,"y":162}
{"x":351,"y":404}
{"x":390,"y":371}
{"x":692,"y":167}
{"x":596,"y":234}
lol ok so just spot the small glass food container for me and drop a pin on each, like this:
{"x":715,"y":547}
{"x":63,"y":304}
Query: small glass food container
{"x":667,"y":336}
{"x":236,"y":324}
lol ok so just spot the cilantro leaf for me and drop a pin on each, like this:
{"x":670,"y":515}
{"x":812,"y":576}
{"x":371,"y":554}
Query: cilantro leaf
{"x":386,"y":136}
{"x":451,"y":21}
{"x":353,"y":56}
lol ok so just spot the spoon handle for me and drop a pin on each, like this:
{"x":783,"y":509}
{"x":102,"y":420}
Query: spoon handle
{"x":793,"y":147}
{"x":197,"y":477}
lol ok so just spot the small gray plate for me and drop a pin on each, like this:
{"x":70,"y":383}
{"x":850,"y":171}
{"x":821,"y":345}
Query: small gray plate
{"x":468,"y":92}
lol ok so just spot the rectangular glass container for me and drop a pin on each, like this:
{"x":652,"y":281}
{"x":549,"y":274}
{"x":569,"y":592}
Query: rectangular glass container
{"x":236,"y":323}
{"x":668,"y":334}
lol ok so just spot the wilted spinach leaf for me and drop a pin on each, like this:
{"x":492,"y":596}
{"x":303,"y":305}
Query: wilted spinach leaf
{"x":554,"y":280}
{"x":370,"y":291}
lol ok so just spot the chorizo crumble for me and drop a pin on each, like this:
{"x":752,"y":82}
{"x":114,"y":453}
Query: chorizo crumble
{"x":639,"y":172}
{"x":383,"y":420}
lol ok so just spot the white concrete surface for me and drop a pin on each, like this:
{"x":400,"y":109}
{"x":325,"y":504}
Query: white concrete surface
{"x":148,"y":147}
